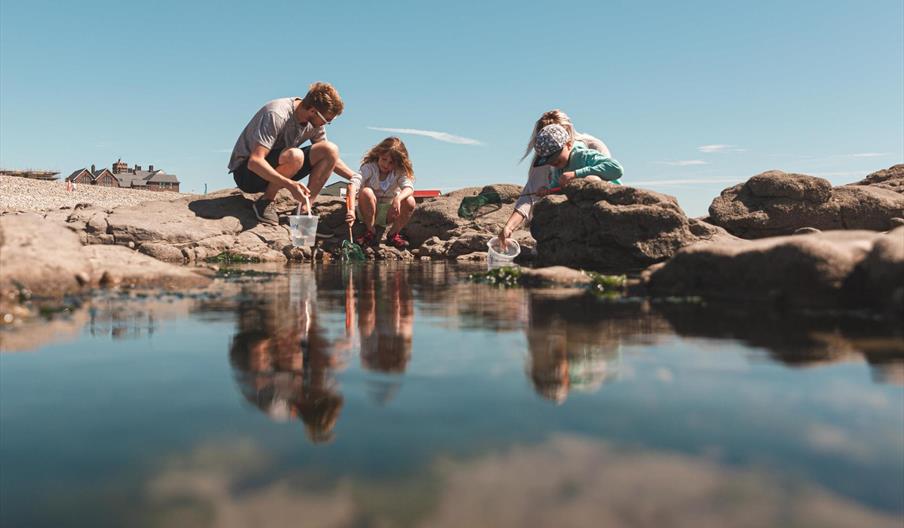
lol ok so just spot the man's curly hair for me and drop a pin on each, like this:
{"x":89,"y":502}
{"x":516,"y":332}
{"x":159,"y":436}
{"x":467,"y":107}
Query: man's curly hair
{"x":324,"y":98}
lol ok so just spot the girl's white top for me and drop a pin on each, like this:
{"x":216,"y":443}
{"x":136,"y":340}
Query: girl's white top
{"x":388,"y":188}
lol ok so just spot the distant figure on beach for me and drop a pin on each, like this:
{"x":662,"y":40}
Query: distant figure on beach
{"x":268,"y":155}
{"x":386,"y":195}
{"x":545,"y":177}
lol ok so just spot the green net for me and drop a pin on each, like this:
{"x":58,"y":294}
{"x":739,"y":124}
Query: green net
{"x":351,"y":252}
{"x":470,"y":205}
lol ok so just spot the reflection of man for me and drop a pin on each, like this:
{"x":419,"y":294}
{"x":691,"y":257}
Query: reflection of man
{"x":282,"y":363}
{"x":386,"y":321}
{"x":568,"y":354}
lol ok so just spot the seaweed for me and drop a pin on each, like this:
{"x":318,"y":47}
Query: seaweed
{"x":227,"y":257}
{"x":505,"y":277}
{"x":607,"y":284}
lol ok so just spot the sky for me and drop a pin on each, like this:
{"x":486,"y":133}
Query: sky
{"x":691,"y":97}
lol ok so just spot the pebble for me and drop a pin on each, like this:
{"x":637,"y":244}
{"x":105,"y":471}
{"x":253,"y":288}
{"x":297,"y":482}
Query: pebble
{"x":26,"y":194}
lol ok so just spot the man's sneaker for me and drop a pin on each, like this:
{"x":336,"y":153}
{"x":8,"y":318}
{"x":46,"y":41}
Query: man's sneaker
{"x":367,"y":239}
{"x":397,"y":241}
{"x":265,"y":211}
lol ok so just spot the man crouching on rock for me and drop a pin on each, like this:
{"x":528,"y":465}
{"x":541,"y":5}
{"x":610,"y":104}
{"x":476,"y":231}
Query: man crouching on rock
{"x":268,"y":155}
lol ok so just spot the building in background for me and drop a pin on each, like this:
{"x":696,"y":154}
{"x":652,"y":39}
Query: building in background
{"x":34,"y":174}
{"x":126,"y":177}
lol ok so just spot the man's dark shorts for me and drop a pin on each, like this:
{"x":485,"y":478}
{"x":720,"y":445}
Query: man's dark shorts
{"x":250,"y":182}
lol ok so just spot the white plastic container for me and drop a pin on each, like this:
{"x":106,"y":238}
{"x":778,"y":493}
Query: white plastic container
{"x":498,"y":256}
{"x":303,"y":228}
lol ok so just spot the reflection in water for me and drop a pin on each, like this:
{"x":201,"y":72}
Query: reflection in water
{"x":565,"y":481}
{"x":567,"y":352}
{"x":283,"y":362}
{"x":797,"y":340}
{"x":386,"y":324}
{"x":772,"y":446}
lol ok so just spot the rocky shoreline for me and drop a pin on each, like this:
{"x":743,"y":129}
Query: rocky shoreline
{"x":790,"y":239}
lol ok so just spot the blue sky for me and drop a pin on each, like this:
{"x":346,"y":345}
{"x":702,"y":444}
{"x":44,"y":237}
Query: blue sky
{"x":808,"y":86}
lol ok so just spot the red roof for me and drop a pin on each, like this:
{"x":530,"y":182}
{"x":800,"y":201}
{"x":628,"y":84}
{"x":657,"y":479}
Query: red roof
{"x":430,"y":193}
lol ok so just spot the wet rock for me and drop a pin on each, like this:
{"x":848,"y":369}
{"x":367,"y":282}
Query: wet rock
{"x":794,"y":271}
{"x":476,"y":256}
{"x":776,"y":203}
{"x":391,"y":253}
{"x":891,"y":178}
{"x":601,"y":226}
{"x":554,"y":275}
{"x":433,"y":247}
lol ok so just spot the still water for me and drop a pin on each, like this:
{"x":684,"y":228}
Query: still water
{"x":401,"y":395}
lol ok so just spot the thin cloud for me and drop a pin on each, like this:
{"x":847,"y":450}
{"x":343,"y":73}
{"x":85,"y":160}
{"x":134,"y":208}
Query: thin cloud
{"x":432,"y":134}
{"x":695,"y":181}
{"x":710,"y":149}
{"x":840,"y":174}
{"x":869,"y":155}
{"x":682,"y":163}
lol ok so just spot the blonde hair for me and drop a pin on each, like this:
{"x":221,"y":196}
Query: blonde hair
{"x":558,"y":117}
{"x":324,"y":98}
{"x":396,"y":149}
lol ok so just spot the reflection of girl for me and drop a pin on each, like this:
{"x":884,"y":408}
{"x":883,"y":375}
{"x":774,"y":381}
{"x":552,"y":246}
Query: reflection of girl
{"x":568,"y":352}
{"x":386,"y":324}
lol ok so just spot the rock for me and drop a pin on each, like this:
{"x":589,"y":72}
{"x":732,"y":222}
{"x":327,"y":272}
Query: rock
{"x":806,"y":231}
{"x":602,"y":226}
{"x":795,"y":271}
{"x":776,"y":203}
{"x":896,"y":222}
{"x":891,"y":178}
{"x":439,"y":216}
{"x":47,"y":259}
{"x":391,"y":253}
{"x":476,"y":256}
{"x":554,"y":275}
{"x":878,"y":280}
{"x":468,"y":242}
{"x":433,"y":247}
{"x":195,"y":228}
{"x":164,"y":252}
{"x":120,"y":266}
{"x":43,"y":257}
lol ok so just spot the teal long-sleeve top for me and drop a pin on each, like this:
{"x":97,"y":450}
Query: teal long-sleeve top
{"x":587,"y":162}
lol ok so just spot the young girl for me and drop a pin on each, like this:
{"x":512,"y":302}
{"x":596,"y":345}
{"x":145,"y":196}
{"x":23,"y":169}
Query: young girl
{"x":538,"y":177}
{"x":387,"y":191}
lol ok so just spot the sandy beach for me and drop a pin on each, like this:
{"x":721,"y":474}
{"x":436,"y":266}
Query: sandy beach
{"x":25,"y":194}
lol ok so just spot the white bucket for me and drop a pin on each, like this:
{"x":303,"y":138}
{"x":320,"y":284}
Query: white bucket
{"x":303,"y":228}
{"x":498,"y":256}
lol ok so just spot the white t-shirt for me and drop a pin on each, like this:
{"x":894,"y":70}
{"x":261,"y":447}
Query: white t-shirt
{"x":388,"y":188}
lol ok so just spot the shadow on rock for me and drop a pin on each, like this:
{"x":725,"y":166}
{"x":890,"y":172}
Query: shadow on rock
{"x":235,"y":206}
